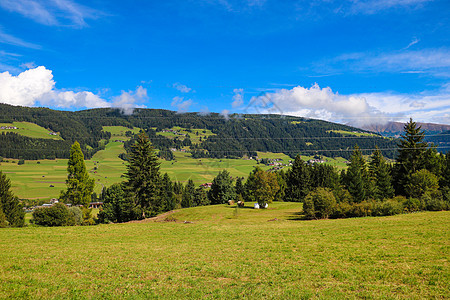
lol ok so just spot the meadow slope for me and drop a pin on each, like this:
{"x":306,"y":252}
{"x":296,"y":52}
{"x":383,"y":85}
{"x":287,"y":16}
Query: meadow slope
{"x":226,"y":253}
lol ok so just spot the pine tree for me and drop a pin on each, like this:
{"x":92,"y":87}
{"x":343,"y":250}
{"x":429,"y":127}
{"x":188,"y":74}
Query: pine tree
{"x":239,"y":187}
{"x":200,"y":197}
{"x":79,"y":186}
{"x":10,"y":206}
{"x":379,"y":172}
{"x":298,"y":181}
{"x":222,"y":188}
{"x":356,"y":179}
{"x":411,"y":155}
{"x":168,"y":195}
{"x":143,"y":176}
{"x":188,"y":194}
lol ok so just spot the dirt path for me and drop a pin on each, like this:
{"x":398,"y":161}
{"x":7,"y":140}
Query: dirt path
{"x":158,"y":218}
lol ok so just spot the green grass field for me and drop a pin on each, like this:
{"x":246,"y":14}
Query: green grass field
{"x":194,"y":134}
{"x":30,"y":130}
{"x":224,"y":254}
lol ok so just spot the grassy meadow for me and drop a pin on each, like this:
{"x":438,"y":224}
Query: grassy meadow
{"x":228,"y":253}
{"x":30,"y":130}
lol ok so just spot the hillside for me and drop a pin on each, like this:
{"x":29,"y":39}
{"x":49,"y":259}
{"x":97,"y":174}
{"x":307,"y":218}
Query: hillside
{"x":397,"y":127}
{"x":237,"y":136}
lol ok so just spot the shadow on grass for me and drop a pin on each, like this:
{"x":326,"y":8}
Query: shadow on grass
{"x":298,"y":216}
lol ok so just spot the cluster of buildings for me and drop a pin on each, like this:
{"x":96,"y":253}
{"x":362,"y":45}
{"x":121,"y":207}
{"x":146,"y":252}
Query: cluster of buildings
{"x":8,"y":127}
{"x":173,"y":131}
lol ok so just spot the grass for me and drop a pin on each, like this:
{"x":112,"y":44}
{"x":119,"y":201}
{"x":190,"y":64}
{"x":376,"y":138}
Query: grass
{"x":194,"y":134}
{"x":352,"y":133}
{"x":221,"y":254}
{"x":30,"y":130}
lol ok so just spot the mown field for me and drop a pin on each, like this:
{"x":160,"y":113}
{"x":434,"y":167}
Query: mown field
{"x":30,"y":130}
{"x":44,"y":179}
{"x":224,"y":253}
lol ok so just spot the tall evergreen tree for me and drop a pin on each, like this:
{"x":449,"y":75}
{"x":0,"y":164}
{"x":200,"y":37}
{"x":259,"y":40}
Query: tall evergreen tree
{"x":411,"y":155}
{"x":379,"y":172}
{"x":143,"y":176}
{"x":168,"y":196}
{"x":445,"y":181}
{"x":298,"y":181}
{"x":79,"y":186}
{"x":117,"y":207}
{"x":10,"y":207}
{"x":239,"y":187}
{"x":356,"y":178}
{"x":222,"y":188}
{"x":200,"y":197}
{"x":188,"y":194}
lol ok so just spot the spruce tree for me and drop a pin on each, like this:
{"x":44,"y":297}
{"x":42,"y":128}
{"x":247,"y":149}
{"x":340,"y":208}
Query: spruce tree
{"x":79,"y":186}
{"x":356,"y":179}
{"x":187,"y":199}
{"x":143,"y":176}
{"x":411,"y":155}
{"x":222,"y":188}
{"x":379,"y":172}
{"x":167,"y":193}
{"x":239,"y":187}
{"x":10,"y":207}
{"x":298,"y":181}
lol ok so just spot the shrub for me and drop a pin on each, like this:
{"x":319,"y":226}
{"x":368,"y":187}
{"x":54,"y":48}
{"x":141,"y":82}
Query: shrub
{"x":75,"y":216}
{"x":342,"y":210}
{"x":319,"y":204}
{"x":388,"y":207}
{"x":434,"y":202}
{"x":413,"y":205}
{"x":362,"y":209}
{"x":56,"y":215}
{"x":21,"y":162}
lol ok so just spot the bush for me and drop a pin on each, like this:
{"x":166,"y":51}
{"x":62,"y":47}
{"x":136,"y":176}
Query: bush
{"x":413,"y":205}
{"x":21,"y":162}
{"x":434,"y":202}
{"x":56,"y":215}
{"x":75,"y":216}
{"x":388,"y":208}
{"x":319,"y":204}
{"x":362,"y":209}
{"x":342,"y":210}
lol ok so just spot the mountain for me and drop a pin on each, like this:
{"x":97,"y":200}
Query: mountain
{"x":235,"y":136}
{"x":397,"y":127}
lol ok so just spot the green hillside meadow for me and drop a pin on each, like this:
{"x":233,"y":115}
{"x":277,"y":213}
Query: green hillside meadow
{"x":225,"y":253}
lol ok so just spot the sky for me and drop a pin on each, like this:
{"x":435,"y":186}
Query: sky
{"x":353,"y":62}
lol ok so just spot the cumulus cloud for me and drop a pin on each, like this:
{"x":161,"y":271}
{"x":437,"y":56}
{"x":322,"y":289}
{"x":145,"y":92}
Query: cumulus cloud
{"x":181,"y":87}
{"x":128,"y":101}
{"x":181,"y":104}
{"x":36,"y":86}
{"x":238,"y":98}
{"x":356,"y":109}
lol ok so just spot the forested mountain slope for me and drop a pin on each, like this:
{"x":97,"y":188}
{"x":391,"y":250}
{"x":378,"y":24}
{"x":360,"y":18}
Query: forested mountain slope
{"x":234,"y":136}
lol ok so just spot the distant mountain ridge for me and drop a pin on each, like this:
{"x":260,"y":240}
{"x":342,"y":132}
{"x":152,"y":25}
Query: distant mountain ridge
{"x":394,"y":127}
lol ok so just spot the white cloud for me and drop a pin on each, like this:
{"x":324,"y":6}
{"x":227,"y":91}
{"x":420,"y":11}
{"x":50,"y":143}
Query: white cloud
{"x":52,"y":12}
{"x":238,"y":98}
{"x":128,"y":101}
{"x":357,"y":109}
{"x":370,"y":7}
{"x":413,"y":42}
{"x":433,"y":61}
{"x":181,"y":87}
{"x":181,"y":104}
{"x":224,"y":113}
{"x":15,"y":41}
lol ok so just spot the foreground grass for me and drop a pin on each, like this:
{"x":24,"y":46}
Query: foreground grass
{"x":224,"y":254}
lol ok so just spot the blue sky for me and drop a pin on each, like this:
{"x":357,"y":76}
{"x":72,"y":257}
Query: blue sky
{"x":355,"y":62}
